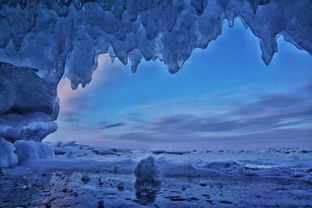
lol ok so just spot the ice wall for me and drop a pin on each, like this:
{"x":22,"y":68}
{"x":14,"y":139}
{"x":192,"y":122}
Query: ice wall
{"x":63,"y":37}
{"x":28,"y":104}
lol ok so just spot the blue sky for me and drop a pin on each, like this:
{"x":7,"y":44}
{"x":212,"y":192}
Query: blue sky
{"x":224,"y":97}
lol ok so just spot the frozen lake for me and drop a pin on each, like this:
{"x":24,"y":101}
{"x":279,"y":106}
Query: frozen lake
{"x":84,"y":176}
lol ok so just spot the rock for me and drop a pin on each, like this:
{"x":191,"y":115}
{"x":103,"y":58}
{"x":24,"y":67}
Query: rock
{"x":85,"y":179}
{"x":158,"y":152}
{"x":100,"y":204}
{"x":175,"y":198}
{"x":48,"y":205}
{"x":203,"y":184}
{"x":225,"y":202}
{"x":121,"y":187}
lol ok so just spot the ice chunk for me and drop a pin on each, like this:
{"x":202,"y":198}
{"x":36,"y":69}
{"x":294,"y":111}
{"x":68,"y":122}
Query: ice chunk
{"x":30,"y":150}
{"x":7,"y":156}
{"x":147,"y":169}
{"x":147,"y":183}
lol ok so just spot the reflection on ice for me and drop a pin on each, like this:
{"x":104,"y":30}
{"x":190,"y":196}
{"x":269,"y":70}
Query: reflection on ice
{"x":146,"y":191}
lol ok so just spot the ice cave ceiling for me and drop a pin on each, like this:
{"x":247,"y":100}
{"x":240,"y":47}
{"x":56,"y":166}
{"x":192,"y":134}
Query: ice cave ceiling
{"x":42,"y":41}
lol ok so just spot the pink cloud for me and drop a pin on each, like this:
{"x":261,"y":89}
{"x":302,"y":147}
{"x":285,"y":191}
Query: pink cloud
{"x":68,"y":97}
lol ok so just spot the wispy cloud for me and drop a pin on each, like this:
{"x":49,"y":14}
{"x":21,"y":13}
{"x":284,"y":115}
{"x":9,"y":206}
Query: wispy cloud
{"x":110,"y":125}
{"x":271,"y":117}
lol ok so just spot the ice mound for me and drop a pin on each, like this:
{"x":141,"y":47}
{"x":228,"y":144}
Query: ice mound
{"x":147,"y":169}
{"x":7,"y":156}
{"x":147,"y":183}
{"x":30,"y":150}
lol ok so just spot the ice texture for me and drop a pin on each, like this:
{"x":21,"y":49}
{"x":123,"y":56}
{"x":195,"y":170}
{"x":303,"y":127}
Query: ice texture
{"x":43,"y":41}
{"x":147,"y":169}
{"x":67,"y":36}
{"x":7,"y":156}
{"x":28,"y":104}
{"x":30,"y":150}
{"x":147,"y":182}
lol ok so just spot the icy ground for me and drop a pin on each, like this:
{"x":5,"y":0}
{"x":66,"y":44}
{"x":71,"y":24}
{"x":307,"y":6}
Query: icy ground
{"x":84,"y":176}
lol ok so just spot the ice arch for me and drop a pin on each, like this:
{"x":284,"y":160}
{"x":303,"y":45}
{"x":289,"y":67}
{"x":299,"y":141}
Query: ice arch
{"x":42,"y":41}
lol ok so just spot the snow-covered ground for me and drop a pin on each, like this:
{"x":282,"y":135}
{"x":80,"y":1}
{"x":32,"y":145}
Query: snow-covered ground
{"x":85,"y":176}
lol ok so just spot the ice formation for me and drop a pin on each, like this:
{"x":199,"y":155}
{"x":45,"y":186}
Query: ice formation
{"x":147,"y":170}
{"x":7,"y":156}
{"x":28,"y":104}
{"x":42,"y":41}
{"x":147,"y":182}
{"x":30,"y":150}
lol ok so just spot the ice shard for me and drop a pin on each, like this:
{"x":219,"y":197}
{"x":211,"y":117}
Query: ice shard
{"x":64,"y":37}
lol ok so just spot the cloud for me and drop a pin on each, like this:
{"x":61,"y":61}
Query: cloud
{"x":110,"y":125}
{"x":73,"y":101}
{"x":271,"y":118}
{"x":244,"y":118}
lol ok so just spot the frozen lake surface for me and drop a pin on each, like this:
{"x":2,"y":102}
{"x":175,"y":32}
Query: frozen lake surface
{"x":84,"y":176}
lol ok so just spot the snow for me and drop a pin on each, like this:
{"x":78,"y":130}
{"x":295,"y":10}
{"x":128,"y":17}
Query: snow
{"x":7,"y":156}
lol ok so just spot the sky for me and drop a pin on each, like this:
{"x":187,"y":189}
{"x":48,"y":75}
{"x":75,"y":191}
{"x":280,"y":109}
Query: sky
{"x":224,"y":97}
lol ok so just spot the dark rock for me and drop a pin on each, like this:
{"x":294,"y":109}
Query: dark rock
{"x":65,"y":190}
{"x":225,"y":202}
{"x":192,"y":199}
{"x":306,"y":151}
{"x":158,"y":152}
{"x":203,"y":184}
{"x":85,"y":179}
{"x":48,"y":205}
{"x":121,"y":187}
{"x":59,"y":152}
{"x":100,"y":204}
{"x":175,"y":198}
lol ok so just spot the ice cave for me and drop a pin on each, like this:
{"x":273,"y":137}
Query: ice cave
{"x":42,"y":42}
